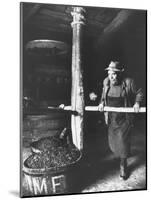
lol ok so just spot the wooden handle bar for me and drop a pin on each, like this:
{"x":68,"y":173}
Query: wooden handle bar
{"x":106,"y":108}
{"x":116,"y":109}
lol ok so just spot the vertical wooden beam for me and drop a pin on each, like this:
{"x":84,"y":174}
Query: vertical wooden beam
{"x":77,"y":92}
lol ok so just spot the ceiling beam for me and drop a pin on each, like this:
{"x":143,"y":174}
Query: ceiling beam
{"x":116,"y":24}
{"x":32,"y":12}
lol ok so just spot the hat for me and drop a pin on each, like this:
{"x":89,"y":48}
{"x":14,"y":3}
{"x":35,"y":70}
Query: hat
{"x":115,"y":66}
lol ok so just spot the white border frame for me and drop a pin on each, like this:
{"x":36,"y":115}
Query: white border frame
{"x":9,"y":101}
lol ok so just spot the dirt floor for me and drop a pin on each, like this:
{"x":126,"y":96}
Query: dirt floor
{"x":104,"y":168}
{"x":99,"y":170}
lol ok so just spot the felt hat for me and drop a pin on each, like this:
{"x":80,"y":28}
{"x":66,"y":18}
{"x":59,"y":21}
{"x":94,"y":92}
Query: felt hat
{"x":115,"y":66}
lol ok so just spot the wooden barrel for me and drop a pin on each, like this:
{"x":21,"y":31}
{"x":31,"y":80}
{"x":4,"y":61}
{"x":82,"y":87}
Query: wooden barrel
{"x":41,"y":182}
{"x":36,"y":127}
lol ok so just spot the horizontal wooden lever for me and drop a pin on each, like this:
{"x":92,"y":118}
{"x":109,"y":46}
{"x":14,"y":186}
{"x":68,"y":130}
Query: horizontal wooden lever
{"x":116,"y":109}
{"x":106,"y":109}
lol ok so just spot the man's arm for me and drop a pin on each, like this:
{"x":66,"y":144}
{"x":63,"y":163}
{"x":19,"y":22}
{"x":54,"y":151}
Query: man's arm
{"x":102,"y":99}
{"x":138,"y":96}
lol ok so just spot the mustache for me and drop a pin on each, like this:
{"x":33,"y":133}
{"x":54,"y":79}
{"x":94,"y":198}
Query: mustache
{"x":114,"y":81}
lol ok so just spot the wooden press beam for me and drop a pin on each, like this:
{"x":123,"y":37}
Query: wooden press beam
{"x":77,"y":91}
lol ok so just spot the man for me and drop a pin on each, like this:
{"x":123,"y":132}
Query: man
{"x":119,"y":92}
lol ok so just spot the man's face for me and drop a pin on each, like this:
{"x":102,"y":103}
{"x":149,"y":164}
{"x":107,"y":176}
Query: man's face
{"x":113,"y":77}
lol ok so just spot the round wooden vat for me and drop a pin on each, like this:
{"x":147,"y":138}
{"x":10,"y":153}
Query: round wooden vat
{"x":42,"y":182}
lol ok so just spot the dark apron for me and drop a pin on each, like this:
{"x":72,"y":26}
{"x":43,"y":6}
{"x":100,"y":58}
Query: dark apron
{"x":119,"y":129}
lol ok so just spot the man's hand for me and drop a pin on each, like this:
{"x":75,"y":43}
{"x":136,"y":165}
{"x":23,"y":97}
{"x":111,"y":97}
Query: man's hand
{"x":101,"y":107}
{"x":61,"y":106}
{"x":136,"y":107}
{"x":92,"y":96}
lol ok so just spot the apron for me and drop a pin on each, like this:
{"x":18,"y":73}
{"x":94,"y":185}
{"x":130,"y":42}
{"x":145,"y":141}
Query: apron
{"x":119,"y":127}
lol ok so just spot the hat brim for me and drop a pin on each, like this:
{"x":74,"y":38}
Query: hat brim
{"x":113,"y":69}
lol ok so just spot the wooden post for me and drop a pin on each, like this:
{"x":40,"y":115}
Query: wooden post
{"x":77,"y":92}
